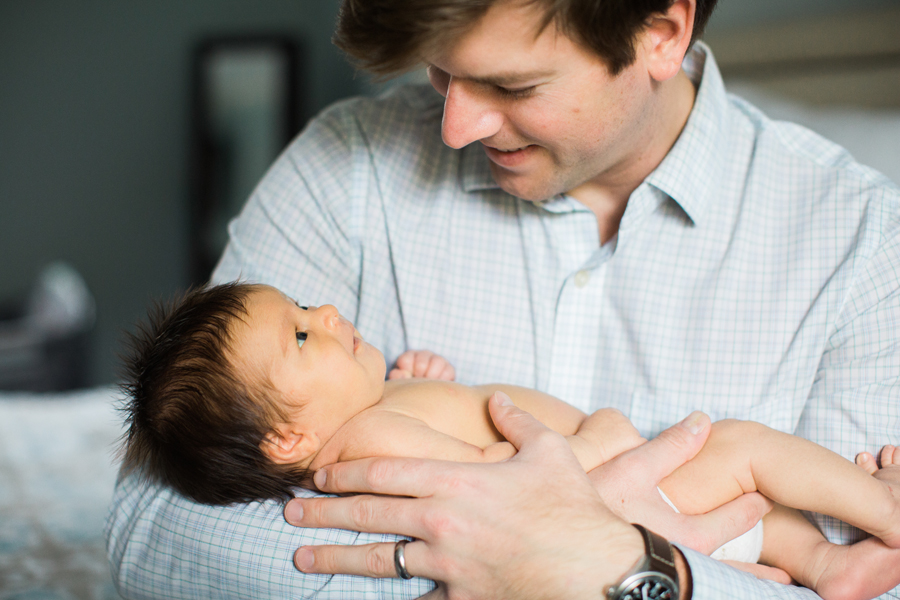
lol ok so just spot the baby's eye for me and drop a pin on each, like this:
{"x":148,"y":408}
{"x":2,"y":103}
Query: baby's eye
{"x":301,"y":337}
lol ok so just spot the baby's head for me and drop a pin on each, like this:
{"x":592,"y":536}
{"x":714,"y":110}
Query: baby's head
{"x":234,"y":389}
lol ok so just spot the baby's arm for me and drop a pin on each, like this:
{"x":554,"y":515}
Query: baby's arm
{"x":422,"y":363}
{"x":742,"y":456}
{"x":602,"y":436}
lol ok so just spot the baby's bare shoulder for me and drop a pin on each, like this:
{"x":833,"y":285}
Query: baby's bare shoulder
{"x":422,"y":397}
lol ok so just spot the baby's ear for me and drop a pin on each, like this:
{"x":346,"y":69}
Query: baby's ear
{"x":284,"y":446}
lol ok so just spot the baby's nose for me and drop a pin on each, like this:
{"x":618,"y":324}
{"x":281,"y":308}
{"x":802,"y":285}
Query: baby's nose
{"x":330,"y":315}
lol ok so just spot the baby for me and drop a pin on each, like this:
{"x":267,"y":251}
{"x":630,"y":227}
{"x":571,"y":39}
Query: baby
{"x":240,"y":394}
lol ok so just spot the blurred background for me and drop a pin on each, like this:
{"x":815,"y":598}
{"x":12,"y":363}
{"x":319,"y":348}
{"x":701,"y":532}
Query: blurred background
{"x":112,"y":156}
{"x":130,"y":132}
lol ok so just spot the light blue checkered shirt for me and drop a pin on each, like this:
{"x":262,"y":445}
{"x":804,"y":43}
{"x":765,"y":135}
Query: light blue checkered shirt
{"x":754,"y":275}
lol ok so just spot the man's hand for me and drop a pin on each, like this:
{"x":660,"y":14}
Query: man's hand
{"x":529,"y":527}
{"x":422,"y":363}
{"x":628,"y":484}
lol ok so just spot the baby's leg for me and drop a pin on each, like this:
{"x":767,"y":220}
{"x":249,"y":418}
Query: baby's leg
{"x":742,"y":456}
{"x":603,"y":435}
{"x":859,"y":571}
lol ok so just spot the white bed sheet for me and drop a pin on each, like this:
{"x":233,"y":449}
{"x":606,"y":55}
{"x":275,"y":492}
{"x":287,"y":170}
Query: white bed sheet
{"x":57,"y":474}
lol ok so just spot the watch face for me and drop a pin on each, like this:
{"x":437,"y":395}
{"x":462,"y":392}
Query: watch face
{"x":651,"y":589}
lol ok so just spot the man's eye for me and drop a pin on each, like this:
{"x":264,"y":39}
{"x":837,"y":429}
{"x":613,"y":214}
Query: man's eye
{"x":515,"y":94}
{"x":301,"y":337}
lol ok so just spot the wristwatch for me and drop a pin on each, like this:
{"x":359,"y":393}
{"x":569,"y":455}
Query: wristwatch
{"x":653,"y":577}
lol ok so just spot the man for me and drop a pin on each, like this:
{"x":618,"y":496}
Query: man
{"x":580,"y":212}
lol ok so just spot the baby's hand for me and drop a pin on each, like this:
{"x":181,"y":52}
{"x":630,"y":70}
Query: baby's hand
{"x":422,"y":363}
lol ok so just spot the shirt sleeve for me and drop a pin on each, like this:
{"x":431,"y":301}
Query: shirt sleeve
{"x":854,"y":402}
{"x":300,"y":232}
{"x":163,"y":546}
{"x":712,"y":579}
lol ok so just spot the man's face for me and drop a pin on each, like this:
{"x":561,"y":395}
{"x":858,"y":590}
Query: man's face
{"x":547,"y":111}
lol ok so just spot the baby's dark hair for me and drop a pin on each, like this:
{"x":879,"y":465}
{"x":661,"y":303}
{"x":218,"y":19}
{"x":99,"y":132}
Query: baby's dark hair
{"x":192,"y":423}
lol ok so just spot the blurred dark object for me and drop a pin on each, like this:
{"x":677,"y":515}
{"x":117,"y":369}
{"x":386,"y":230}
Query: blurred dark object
{"x":44,"y":339}
{"x":245,"y":109}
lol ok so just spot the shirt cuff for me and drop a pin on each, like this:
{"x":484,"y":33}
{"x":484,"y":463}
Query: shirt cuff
{"x":713,"y":580}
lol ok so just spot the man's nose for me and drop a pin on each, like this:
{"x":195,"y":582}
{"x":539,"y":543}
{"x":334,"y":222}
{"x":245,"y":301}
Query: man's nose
{"x":469,"y":114}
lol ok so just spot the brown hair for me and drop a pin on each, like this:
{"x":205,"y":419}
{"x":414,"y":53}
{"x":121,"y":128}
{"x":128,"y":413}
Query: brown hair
{"x":390,"y":36}
{"x":192,"y":423}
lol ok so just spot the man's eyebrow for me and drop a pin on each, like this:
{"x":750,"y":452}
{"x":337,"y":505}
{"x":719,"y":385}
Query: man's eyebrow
{"x":508,"y":79}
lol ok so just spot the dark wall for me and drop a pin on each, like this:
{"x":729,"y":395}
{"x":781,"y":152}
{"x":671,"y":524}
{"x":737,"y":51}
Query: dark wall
{"x":744,"y":13}
{"x":94,"y":122}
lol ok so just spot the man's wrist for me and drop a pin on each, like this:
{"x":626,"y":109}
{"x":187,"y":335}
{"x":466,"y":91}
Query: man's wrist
{"x":685,"y":582}
{"x":655,"y":575}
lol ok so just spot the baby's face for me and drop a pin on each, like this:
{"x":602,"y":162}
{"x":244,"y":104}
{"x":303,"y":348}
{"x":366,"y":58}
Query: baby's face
{"x":313,"y":356}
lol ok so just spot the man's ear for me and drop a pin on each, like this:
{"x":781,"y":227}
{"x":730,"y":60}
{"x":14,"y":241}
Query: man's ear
{"x":284,"y":446}
{"x":667,"y":38}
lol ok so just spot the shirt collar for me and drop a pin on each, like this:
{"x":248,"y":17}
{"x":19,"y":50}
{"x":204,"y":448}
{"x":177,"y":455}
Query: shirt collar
{"x":677,"y":175}
{"x":700,"y":142}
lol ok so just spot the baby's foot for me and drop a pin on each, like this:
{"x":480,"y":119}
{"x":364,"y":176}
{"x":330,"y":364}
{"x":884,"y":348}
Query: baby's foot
{"x":889,"y":474}
{"x":857,"y":572}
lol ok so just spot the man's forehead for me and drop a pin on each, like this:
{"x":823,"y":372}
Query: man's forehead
{"x":503,"y":47}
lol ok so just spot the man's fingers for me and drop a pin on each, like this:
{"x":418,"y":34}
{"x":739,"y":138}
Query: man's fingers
{"x":373,"y":514}
{"x":675,"y":446}
{"x":518,"y":426}
{"x":369,"y":560}
{"x":394,"y":476}
{"x":709,"y":531}
{"x":761,"y":571}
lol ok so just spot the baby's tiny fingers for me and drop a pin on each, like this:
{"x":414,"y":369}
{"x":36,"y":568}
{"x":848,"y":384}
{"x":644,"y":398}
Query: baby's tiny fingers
{"x":423,"y":360}
{"x":436,"y":367}
{"x":407,"y":361}
{"x":867,"y":462}
{"x":399,"y":374}
{"x":449,"y":373}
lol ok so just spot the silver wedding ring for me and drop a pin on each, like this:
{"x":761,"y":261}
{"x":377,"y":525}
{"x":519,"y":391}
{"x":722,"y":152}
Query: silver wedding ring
{"x":400,"y":560}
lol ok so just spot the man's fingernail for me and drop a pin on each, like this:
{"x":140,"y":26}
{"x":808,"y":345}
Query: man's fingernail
{"x":293,"y":512}
{"x":503,"y":399}
{"x":694,"y":422}
{"x":304,"y":559}
{"x":319,"y":478}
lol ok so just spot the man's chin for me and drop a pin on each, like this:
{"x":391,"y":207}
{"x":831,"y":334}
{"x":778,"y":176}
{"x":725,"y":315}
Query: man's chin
{"x":525,"y":186}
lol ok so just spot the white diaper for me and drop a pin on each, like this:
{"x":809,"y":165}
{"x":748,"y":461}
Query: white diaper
{"x":744,"y":548}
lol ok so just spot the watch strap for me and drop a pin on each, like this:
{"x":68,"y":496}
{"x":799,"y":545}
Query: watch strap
{"x":654,"y":576}
{"x":660,"y":553}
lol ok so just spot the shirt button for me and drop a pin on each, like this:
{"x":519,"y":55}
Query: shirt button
{"x":582,"y":278}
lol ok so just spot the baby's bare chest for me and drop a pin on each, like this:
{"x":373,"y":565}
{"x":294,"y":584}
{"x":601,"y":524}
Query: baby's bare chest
{"x":448,"y":407}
